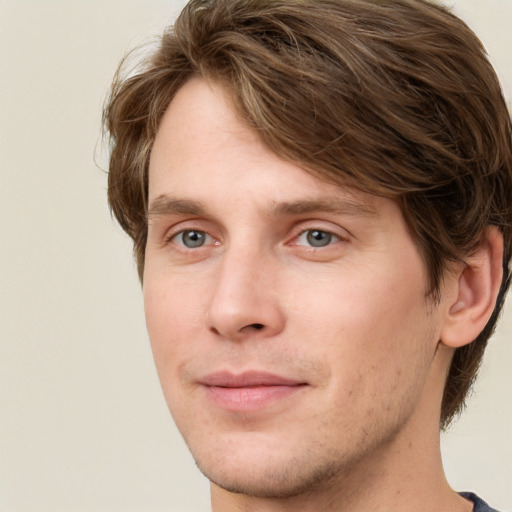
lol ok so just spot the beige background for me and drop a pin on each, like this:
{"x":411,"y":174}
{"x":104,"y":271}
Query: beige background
{"x":83,"y":425}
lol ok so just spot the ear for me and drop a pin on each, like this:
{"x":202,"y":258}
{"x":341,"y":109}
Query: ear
{"x":476,"y":284}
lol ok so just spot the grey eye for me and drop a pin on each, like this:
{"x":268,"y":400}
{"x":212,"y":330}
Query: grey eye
{"x":317,"y":238}
{"x":191,"y":238}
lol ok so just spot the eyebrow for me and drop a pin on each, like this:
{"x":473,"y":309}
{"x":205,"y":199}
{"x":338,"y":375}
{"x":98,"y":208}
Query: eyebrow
{"x":336,"y":205}
{"x":166,"y":205}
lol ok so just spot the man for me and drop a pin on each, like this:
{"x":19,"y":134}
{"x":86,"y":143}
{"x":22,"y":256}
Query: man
{"x":320,"y":198}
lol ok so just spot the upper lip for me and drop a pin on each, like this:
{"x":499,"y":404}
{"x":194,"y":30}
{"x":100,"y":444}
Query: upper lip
{"x":227,"y":379}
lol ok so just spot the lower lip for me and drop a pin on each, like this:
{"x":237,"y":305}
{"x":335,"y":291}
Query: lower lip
{"x":252,"y":398}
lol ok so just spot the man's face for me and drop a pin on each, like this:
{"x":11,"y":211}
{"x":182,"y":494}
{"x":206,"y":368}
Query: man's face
{"x":287,"y":316}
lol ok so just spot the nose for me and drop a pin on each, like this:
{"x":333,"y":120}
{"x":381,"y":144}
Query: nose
{"x":245,"y":300}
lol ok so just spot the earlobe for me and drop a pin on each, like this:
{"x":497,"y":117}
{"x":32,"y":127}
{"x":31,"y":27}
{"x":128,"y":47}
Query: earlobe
{"x":477,"y":285}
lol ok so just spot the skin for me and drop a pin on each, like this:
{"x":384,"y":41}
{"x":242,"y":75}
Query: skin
{"x":347,"y":321}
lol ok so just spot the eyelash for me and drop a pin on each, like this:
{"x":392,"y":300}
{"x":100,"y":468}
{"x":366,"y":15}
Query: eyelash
{"x":328,"y":235}
{"x":173,"y":236}
{"x":331,"y":238}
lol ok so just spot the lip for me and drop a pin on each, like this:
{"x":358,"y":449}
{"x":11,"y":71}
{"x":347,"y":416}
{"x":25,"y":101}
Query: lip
{"x":248,"y":391}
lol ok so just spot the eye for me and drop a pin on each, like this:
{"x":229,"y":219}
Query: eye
{"x":316,"y":238}
{"x":192,"y":238}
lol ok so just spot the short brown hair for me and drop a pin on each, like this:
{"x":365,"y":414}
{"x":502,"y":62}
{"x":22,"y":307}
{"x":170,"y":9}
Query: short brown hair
{"x":396,"y":98}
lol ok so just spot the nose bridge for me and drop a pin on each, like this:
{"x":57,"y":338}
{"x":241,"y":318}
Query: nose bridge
{"x":244,"y":300}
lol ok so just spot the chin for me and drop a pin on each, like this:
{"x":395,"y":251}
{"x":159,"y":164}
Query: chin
{"x":269,"y":477}
{"x":273,"y":483}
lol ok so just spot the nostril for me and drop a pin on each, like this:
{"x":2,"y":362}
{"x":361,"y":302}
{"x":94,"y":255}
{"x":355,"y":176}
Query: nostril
{"x":257,"y":326}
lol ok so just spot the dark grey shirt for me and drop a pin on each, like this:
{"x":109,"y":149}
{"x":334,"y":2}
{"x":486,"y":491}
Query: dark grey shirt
{"x":480,"y":505}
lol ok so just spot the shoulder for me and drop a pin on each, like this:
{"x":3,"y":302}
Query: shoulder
{"x":480,"y":505}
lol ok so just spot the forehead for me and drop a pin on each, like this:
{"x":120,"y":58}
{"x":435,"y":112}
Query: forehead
{"x":201,"y":123}
{"x":203,"y":145}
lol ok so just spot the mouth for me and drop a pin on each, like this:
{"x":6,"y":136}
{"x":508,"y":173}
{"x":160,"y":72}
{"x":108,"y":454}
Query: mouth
{"x":248,"y":391}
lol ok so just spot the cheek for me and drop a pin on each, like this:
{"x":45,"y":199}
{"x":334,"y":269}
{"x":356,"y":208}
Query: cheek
{"x":172,"y":320}
{"x":173,"y":314}
{"x":359,"y":300}
{"x":364,"y":322}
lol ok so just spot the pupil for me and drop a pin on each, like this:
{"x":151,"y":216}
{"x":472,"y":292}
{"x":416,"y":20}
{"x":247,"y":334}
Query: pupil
{"x":319,"y":238}
{"x":193,"y":238}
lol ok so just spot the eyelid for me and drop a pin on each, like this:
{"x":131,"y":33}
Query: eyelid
{"x":334,"y":236}
{"x":208,"y":238}
{"x":174,"y":226}
{"x":183,"y":226}
{"x":341,"y":234}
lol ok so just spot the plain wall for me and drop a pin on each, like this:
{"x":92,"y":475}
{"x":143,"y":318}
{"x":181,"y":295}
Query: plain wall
{"x":83,"y":424}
